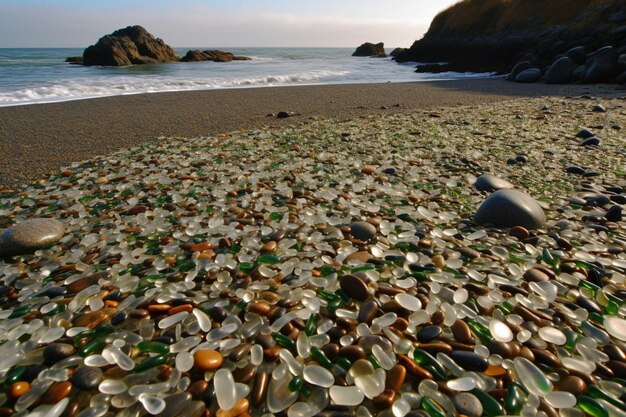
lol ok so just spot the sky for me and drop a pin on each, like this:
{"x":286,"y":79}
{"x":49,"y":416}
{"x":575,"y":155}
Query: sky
{"x":219,"y":23}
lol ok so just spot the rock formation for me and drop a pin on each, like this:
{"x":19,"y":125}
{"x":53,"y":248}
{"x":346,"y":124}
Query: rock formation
{"x":212,"y":55}
{"x":133,"y":45}
{"x":494,"y":35}
{"x":369,"y":49}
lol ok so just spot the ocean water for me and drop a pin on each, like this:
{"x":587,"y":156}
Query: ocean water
{"x":30,"y":76}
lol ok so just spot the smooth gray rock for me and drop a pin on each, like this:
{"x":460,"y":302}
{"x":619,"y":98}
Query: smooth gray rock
{"x":468,"y":404}
{"x":560,"y":72}
{"x":528,"y":76}
{"x":509,"y":208}
{"x":491,"y":183}
{"x":87,"y":378}
{"x":30,"y":235}
{"x":578,"y":55}
{"x":363,"y":231}
{"x":603,"y":66}
{"x":519,"y":67}
{"x":584,"y":134}
{"x":590,"y":141}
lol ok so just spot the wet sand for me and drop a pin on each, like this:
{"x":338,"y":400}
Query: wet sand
{"x":38,"y":140}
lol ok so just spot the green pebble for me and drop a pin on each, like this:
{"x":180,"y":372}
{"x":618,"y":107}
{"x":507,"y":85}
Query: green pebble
{"x":56,"y":310}
{"x":515,"y":399}
{"x":284,"y":341}
{"x":150,"y":363}
{"x":15,"y":375}
{"x":311,"y":324}
{"x":591,"y":406}
{"x":344,"y":363}
{"x":431,"y":364}
{"x":153,"y":347}
{"x":432,"y":408}
{"x":268,"y":259}
{"x":491,"y":407}
{"x":19,"y":312}
{"x":91,"y":348}
{"x":483,"y":332}
{"x":320,"y":357}
{"x":295,"y":384}
{"x":598,"y":393}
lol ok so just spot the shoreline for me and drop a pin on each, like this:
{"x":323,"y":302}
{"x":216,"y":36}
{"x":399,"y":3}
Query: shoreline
{"x":39,"y":139}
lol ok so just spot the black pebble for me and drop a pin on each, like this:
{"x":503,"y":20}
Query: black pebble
{"x":614,"y":214}
{"x":56,"y":352}
{"x":87,"y":378}
{"x":428,"y":333}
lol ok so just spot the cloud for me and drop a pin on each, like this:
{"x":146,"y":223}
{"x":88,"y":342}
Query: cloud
{"x":197,"y":24}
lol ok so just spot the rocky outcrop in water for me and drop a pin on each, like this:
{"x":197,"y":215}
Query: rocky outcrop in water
{"x":370,"y":49}
{"x":494,"y":35}
{"x":133,"y":45}
{"x":212,"y":55}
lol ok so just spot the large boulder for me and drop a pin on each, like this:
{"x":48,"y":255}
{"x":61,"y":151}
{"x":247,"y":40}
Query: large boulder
{"x":397,"y":52}
{"x":211,"y":55}
{"x":528,"y":76}
{"x":577,"y":54}
{"x":519,"y":67}
{"x":129,"y":46}
{"x":603,"y":66}
{"x":369,"y":49}
{"x":560,"y":72}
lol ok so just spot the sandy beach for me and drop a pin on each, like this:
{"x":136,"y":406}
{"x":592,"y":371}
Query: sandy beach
{"x":38,"y":140}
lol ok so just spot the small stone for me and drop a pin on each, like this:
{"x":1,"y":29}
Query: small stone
{"x":57,"y":392}
{"x":470,"y":360}
{"x":368,"y":169}
{"x":462,"y":332}
{"x":363,"y":231}
{"x":491,"y":183}
{"x":590,"y":141}
{"x":522,"y":159}
{"x":572,"y":384}
{"x":599,"y":108}
{"x":535,"y":275}
{"x":509,"y":208}
{"x":575,"y":170}
{"x":428,"y":333}
{"x":207,"y":360}
{"x":354,"y":287}
{"x":519,"y":232}
{"x":614,"y":214}
{"x":616,"y":327}
{"x":30,"y":235}
{"x":19,"y":388}
{"x":468,"y":404}
{"x":56,"y":352}
{"x":282,"y":115}
{"x":87,"y":378}
{"x":584,"y":134}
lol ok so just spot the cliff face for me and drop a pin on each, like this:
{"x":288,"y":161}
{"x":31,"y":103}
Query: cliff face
{"x":491,"y":35}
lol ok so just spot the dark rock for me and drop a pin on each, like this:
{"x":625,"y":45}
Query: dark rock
{"x":522,"y":159}
{"x":363,"y":231}
{"x":74,"y":59}
{"x":491,"y":183}
{"x":467,"y":404}
{"x":528,"y":76}
{"x":87,"y":378}
{"x":614,"y":214}
{"x":129,"y":46}
{"x":584,"y":134}
{"x":213,"y":55}
{"x":428,"y":333}
{"x":602,"y":67}
{"x":590,"y":141}
{"x":560,"y":72}
{"x":30,"y":235}
{"x":575,"y":170}
{"x":56,"y":352}
{"x":578,"y":55}
{"x":519,"y":67}
{"x":470,"y":361}
{"x":282,"y":115}
{"x":370,"y":49}
{"x":508,"y":208}
{"x":397,"y":52}
{"x":354,"y":287}
{"x":599,"y":108}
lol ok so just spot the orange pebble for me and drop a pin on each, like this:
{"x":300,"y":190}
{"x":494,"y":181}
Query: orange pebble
{"x":170,"y":260}
{"x":19,"y":388}
{"x":184,"y":307}
{"x":493,"y":370}
{"x":207,"y":359}
{"x":159,"y":308}
{"x":201,"y":247}
{"x":57,"y":392}
{"x":241,"y":406}
{"x":111,"y":303}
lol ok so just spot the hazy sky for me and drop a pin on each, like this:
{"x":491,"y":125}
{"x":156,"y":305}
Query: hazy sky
{"x":206,"y":23}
